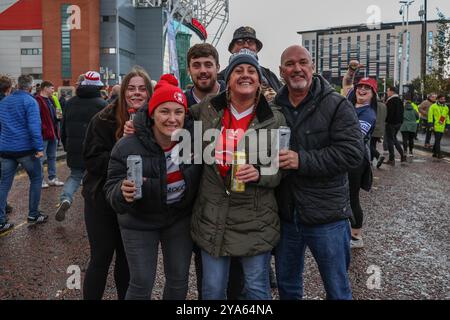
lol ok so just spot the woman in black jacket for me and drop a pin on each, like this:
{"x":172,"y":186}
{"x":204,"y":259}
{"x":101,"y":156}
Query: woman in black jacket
{"x":101,"y":222}
{"x":163,"y":214}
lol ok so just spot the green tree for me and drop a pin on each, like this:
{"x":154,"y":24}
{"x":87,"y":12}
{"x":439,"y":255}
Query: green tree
{"x":441,"y":47}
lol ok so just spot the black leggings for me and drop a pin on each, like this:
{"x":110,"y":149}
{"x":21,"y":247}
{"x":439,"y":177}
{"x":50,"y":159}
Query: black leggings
{"x":408,"y":140}
{"x":354,"y":180}
{"x":373,"y":148}
{"x":104,"y":239}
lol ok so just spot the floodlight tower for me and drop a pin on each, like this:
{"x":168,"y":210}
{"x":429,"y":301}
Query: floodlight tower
{"x":213,"y":15}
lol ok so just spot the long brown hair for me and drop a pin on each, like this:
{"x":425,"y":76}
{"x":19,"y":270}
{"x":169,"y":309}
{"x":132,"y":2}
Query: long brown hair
{"x":120,"y":105}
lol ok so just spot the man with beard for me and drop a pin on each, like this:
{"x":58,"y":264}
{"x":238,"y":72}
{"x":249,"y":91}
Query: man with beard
{"x":313,"y":197}
{"x":203,"y":66}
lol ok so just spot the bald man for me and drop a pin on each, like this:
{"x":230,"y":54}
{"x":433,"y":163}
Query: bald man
{"x":115,"y":92}
{"x":313,"y":197}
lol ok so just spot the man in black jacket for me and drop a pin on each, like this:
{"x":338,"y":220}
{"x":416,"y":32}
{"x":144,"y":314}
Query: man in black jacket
{"x":78,"y":112}
{"x":394,"y":120}
{"x":313,"y":197}
{"x":245,"y":38}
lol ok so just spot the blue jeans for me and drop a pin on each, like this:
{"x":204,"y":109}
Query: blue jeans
{"x":330,"y":247}
{"x":50,"y":155}
{"x":72,"y":184}
{"x":32,"y":166}
{"x":256,"y":276}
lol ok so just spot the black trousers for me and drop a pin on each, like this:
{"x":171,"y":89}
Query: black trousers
{"x":437,"y":143}
{"x":354,"y":181}
{"x":374,"y":154}
{"x":105,"y":240}
{"x":408,"y":140}
{"x":391,"y":137}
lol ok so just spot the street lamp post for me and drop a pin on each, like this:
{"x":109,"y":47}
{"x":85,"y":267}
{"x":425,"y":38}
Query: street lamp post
{"x":403,"y":65}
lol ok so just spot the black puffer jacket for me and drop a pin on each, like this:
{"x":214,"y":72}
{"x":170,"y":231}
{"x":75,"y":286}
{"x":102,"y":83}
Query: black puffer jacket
{"x":328,"y":138}
{"x":151,"y":212}
{"x":394,"y":110}
{"x":78,"y":112}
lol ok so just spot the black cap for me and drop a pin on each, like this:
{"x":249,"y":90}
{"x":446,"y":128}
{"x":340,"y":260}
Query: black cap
{"x":245,"y":33}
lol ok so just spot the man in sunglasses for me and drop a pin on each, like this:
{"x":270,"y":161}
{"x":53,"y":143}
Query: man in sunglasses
{"x":245,"y":38}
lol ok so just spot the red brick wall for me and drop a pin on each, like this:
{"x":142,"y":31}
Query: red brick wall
{"x":85,"y":50}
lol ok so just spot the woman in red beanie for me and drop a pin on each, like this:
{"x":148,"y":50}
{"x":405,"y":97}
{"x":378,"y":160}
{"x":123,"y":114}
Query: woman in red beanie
{"x":104,"y":130}
{"x":364,"y":98}
{"x":163,"y":214}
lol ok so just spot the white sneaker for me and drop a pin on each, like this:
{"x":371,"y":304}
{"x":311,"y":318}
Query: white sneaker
{"x":356,"y":243}
{"x":55,"y":182}
{"x":62,"y":209}
{"x":44,"y":184}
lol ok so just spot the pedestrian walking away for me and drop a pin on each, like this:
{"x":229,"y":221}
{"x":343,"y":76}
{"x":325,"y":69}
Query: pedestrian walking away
{"x":394,"y":121}
{"x":424,"y":107}
{"x":50,"y":132}
{"x":21,"y":143}
{"x":78,"y":113}
{"x":409,"y":125}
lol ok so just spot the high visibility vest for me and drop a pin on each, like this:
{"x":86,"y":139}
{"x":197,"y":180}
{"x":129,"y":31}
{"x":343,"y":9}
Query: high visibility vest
{"x":57,"y":105}
{"x":416,"y":107}
{"x":438,"y":115}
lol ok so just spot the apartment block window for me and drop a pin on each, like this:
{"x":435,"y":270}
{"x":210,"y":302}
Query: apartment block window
{"x":368,"y":55}
{"x":108,"y":19}
{"x":66,"y":57}
{"x":313,"y":50}
{"x":358,"y":48}
{"x":30,"y":39}
{"x":322,"y":43}
{"x":408,"y":49}
{"x":307,"y":45}
{"x":127,"y":23}
{"x":36,"y":73}
{"x":108,"y":50}
{"x":31,"y":52}
{"x":430,"y":52}
{"x":378,"y":54}
{"x":127,"y":53}
{"x":330,"y":53}
{"x":339,"y":56}
{"x":349,"y":49}
{"x":388,"y":55}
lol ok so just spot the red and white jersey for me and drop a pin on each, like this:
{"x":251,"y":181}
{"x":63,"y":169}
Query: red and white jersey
{"x":175,"y":181}
{"x":234,"y":125}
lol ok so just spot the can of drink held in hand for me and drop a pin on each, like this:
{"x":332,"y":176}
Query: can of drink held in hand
{"x":134,"y":173}
{"x":285,"y":137}
{"x":238,"y":160}
{"x":132,"y":113}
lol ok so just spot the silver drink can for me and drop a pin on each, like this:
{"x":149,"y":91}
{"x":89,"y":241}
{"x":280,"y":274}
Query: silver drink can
{"x":134,"y":173}
{"x":285,"y":137}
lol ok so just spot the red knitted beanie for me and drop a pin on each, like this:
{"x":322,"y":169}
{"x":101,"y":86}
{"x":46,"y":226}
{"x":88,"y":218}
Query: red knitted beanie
{"x":167,"y":90}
